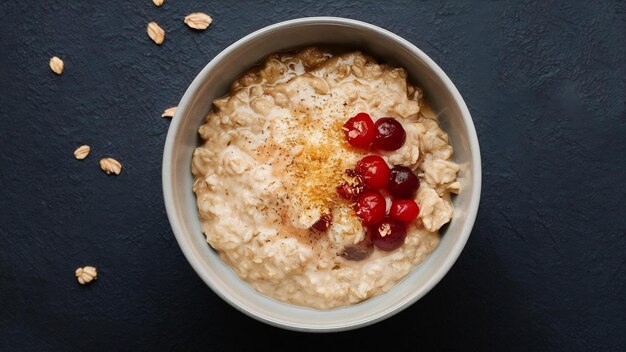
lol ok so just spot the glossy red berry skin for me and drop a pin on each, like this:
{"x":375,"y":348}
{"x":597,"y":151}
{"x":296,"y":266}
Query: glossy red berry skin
{"x":360,"y":130}
{"x":352,"y":189}
{"x":371,"y":208}
{"x":374,"y":170}
{"x":345,"y":191}
{"x":323,"y":223}
{"x":390,"y":134}
{"x":394,"y":234}
{"x":404,"y":210}
{"x":402,"y":182}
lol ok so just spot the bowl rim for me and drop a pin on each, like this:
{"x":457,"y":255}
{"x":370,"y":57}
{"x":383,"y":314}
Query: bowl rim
{"x":188,"y":248}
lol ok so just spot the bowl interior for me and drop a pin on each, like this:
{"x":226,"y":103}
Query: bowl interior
{"x":214,"y":82}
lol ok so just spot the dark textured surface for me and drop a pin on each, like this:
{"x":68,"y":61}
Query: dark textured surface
{"x":545,"y":267}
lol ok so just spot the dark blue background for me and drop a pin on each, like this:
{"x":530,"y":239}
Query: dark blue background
{"x":544,"y":269}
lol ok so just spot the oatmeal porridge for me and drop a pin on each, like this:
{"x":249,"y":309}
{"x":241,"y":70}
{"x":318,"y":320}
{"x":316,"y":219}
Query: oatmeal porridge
{"x":321,"y":180}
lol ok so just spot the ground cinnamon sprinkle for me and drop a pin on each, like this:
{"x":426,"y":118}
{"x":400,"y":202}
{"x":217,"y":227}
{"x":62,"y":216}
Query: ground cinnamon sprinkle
{"x":317,"y":170}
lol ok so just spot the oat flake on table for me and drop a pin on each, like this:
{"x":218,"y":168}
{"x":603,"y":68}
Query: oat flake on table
{"x":156,"y":33}
{"x":169,"y":112}
{"x":81,"y":152}
{"x":56,"y":65}
{"x":110,"y":166}
{"x":86,"y":274}
{"x":158,"y":2}
{"x":198,"y":20}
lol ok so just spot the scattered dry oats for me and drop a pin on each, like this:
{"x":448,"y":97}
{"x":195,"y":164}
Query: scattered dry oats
{"x":56,"y":65}
{"x":110,"y":166}
{"x":156,"y":33}
{"x":86,"y":274}
{"x":158,"y":2}
{"x":198,"y":20}
{"x":81,"y":152}
{"x":169,"y":112}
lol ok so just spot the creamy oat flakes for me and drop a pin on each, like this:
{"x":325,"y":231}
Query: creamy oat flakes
{"x":272,"y":157}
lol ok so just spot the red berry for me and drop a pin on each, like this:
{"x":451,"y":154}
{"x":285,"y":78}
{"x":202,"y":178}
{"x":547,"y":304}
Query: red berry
{"x":352,"y":188}
{"x":390,"y":134}
{"x":360,"y":130}
{"x":402,"y":182}
{"x":389,"y":234}
{"x":374,"y":171}
{"x":371,"y":207}
{"x":404,"y":210}
{"x":323,"y":223}
{"x":344,"y":191}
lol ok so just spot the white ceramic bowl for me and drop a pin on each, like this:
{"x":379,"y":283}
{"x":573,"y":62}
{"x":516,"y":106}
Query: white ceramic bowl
{"x":213,"y":82}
